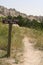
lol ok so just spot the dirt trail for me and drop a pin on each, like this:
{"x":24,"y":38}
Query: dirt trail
{"x":31,"y":55}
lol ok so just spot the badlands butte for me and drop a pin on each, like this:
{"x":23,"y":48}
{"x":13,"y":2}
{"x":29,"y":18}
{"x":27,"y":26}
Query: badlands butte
{"x":13,"y":12}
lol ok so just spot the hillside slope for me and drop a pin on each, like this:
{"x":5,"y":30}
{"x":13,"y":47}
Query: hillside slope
{"x":5,"y":11}
{"x":18,"y":46}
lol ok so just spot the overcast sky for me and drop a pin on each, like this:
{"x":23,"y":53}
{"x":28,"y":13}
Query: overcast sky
{"x":30,"y":7}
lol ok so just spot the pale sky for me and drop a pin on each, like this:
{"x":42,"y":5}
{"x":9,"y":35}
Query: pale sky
{"x":29,"y":7}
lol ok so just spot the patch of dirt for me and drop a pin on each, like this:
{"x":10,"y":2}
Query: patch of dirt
{"x":31,"y":56}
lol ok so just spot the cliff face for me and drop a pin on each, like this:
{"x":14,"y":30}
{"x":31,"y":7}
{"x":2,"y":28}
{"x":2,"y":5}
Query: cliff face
{"x":4,"y":12}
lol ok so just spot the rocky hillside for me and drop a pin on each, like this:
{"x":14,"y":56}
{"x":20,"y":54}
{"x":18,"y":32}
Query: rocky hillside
{"x":4,"y":12}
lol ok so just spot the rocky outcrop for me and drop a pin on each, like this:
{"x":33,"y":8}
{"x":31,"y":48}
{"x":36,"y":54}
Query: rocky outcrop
{"x":4,"y":12}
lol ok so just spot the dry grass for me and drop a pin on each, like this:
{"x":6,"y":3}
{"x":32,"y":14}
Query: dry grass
{"x":18,"y":34}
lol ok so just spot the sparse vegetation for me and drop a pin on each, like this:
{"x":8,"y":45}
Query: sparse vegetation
{"x":32,"y":29}
{"x":17,"y":36}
